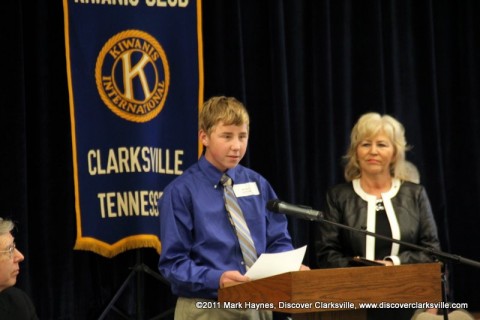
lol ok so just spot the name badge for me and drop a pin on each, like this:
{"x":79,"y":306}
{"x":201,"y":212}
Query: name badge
{"x":245,"y":189}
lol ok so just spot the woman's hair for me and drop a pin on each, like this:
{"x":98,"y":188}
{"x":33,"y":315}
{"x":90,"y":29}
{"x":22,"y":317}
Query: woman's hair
{"x":218,"y":109}
{"x":6,"y":226}
{"x":368,"y":126}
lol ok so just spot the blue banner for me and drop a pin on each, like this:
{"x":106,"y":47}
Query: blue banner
{"x":135,"y":77}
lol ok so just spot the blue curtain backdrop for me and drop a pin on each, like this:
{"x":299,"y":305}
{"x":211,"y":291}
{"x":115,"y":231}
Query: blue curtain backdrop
{"x":305,"y":70}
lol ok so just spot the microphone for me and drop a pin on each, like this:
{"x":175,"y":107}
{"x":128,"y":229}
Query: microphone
{"x":301,"y":212}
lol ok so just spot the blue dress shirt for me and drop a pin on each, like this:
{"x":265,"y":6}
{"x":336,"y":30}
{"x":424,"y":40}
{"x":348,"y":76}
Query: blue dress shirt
{"x":198,"y":242}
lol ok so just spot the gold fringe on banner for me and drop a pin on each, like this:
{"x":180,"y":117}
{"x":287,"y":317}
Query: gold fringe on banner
{"x":128,"y":243}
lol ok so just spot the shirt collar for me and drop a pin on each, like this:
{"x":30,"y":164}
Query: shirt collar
{"x":212,"y":174}
{"x":396,"y":183}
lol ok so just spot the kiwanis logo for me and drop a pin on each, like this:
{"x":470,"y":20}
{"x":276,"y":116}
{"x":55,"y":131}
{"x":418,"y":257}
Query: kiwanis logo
{"x":132,"y":75}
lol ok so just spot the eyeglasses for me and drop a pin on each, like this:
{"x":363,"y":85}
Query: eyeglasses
{"x":11,"y":248}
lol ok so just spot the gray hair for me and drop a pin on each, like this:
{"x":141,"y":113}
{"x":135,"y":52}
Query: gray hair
{"x":6,"y":226}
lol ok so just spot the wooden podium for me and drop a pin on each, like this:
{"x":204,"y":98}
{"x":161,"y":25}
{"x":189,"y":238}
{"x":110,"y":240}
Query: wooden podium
{"x":335,"y":293}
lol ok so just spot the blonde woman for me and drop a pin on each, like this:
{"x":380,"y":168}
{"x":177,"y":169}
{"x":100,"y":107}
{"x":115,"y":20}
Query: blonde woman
{"x":382,"y":195}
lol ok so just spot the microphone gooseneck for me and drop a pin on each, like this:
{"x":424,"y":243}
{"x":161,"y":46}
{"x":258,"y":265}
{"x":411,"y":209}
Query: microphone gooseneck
{"x":301,"y":212}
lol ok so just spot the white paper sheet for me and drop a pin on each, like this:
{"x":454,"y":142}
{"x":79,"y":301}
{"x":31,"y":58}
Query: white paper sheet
{"x":270,"y":264}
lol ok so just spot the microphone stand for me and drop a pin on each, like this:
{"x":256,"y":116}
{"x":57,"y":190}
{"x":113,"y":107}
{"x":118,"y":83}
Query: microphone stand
{"x":431,"y":251}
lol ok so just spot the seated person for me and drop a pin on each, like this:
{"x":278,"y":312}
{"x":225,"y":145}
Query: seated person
{"x":15,"y":304}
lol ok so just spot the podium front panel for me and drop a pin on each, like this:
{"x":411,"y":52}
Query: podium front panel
{"x":337,"y":289}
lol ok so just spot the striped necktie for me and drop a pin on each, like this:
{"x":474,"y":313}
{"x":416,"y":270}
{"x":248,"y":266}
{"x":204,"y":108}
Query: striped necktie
{"x":238,"y":221}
